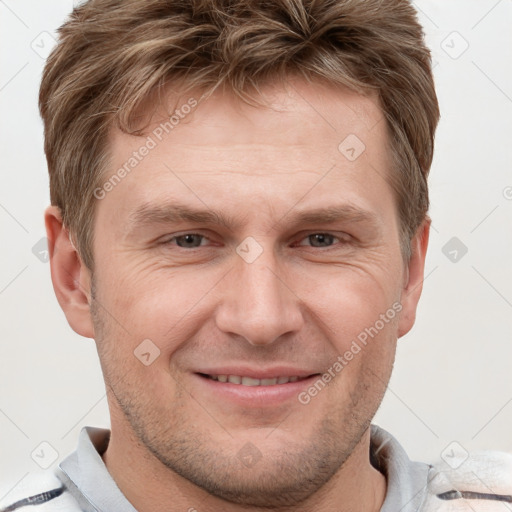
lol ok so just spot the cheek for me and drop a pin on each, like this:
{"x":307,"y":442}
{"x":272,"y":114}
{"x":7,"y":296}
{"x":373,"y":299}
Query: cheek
{"x":365,"y":362}
{"x":152,"y":298}
{"x":165,"y":306}
{"x":350,"y":301}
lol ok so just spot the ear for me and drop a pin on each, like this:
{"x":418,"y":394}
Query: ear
{"x":413,"y":278}
{"x":71,"y":278}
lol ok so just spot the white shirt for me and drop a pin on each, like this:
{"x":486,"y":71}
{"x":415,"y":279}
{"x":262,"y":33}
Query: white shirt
{"x":483,"y":482}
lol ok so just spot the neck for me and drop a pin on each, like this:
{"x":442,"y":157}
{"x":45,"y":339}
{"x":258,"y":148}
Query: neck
{"x":152,"y":487}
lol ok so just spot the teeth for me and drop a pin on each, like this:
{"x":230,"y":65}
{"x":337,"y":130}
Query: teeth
{"x":249,"y":381}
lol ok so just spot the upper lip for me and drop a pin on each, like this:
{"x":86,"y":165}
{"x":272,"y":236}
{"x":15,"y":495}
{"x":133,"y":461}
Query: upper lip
{"x":259,"y":373}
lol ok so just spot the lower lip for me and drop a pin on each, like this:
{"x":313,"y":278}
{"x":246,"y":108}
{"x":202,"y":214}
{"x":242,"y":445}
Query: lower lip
{"x":255,"y":396}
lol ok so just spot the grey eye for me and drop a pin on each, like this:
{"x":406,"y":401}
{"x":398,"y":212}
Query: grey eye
{"x":189,"y":241}
{"x":321,"y":239}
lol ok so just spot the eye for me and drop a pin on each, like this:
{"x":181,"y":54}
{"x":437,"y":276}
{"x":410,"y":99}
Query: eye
{"x":188,"y":240}
{"x":320,"y":240}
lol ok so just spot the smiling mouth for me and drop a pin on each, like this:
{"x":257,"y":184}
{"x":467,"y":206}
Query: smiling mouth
{"x":250,"y":381}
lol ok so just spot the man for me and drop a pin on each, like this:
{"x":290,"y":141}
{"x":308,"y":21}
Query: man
{"x":239,"y":220}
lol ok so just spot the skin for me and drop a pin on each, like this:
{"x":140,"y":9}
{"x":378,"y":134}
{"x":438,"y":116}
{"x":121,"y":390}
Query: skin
{"x":175,"y":444}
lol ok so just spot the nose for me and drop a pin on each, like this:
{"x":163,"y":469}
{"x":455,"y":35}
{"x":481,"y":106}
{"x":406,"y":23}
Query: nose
{"x":258,"y":302}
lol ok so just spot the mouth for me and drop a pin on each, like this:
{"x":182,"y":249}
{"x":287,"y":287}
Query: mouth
{"x":243,"y":387}
{"x":244,"y":380}
{"x":254,"y":389}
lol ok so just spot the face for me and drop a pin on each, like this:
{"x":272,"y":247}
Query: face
{"x":249,"y":289}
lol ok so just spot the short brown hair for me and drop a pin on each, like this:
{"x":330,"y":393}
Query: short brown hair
{"x":112,"y":55}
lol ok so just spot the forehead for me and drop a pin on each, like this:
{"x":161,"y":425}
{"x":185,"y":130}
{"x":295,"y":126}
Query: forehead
{"x":298,"y":113}
{"x":308,"y":135}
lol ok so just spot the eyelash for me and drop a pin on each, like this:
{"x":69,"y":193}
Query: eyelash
{"x":174,"y":238}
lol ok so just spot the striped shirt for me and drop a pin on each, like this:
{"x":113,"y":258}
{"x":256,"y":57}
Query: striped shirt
{"x":481,"y":482}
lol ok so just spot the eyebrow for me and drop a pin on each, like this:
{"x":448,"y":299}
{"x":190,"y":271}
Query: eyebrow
{"x":173,"y":213}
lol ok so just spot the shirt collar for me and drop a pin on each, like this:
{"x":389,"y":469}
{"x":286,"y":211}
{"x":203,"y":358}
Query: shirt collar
{"x":407,"y":481}
{"x":87,"y":477}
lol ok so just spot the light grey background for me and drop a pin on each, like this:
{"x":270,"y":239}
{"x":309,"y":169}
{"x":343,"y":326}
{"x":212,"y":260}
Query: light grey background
{"x":452,"y":378}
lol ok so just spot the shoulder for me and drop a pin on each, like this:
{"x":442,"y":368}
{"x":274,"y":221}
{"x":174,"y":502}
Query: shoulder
{"x":477,"y":482}
{"x":39,"y":492}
